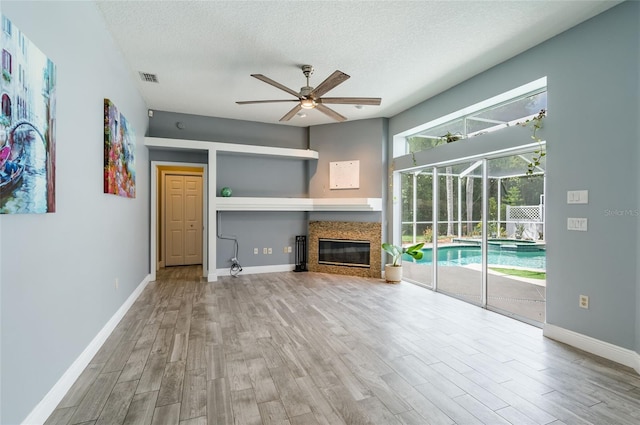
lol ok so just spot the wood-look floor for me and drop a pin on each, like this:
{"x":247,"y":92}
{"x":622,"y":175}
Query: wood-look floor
{"x":306,"y":348}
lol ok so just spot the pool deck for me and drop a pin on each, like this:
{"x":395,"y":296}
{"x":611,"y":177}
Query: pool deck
{"x":521,"y":297}
{"x":539,"y":282}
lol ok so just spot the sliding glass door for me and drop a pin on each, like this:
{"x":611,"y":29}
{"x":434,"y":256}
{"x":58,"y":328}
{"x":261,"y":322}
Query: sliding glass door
{"x":417,"y":223}
{"x":482,"y":222}
{"x":459,"y":244}
{"x":516,"y":275}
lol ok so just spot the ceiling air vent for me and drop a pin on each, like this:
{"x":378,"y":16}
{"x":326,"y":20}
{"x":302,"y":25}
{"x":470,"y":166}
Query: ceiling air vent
{"x":149,"y":78}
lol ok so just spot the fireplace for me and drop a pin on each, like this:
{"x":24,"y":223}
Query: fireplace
{"x":349,"y":248}
{"x":342,"y":252}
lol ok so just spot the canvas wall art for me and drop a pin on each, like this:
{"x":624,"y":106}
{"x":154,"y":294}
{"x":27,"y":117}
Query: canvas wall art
{"x":27,"y":125}
{"x":119,"y":153}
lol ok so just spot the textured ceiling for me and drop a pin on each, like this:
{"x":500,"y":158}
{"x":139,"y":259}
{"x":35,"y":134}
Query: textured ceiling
{"x":203,"y":52}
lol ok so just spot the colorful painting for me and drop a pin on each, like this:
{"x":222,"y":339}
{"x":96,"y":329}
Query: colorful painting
{"x":27,"y":125}
{"x":119,"y":153}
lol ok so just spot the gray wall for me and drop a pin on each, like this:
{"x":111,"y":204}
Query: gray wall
{"x":592,"y":133}
{"x":163,"y":124}
{"x":262,"y":176}
{"x":274,"y":177}
{"x":637,"y":133}
{"x":58,"y":271}
{"x":259,"y":229}
{"x":362,"y":140}
{"x":246,"y":176}
{"x":193,"y":157}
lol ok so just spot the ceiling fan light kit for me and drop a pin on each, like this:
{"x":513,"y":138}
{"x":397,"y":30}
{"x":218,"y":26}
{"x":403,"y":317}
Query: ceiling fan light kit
{"x":311,"y":98}
{"x":308,"y":103}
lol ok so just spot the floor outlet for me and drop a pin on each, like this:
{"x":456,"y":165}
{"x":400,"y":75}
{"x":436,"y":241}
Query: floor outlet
{"x":584,"y":301}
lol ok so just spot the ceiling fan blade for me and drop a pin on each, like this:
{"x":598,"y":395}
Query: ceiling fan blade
{"x":248,"y":102}
{"x":351,"y":100}
{"x":332,"y":81}
{"x":291,"y":113}
{"x":330,"y":112}
{"x":276,"y":84}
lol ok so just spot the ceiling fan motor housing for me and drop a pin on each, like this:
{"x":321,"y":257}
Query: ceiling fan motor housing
{"x":307,"y":70}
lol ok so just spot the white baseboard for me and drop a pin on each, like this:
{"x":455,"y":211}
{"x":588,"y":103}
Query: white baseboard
{"x":47,"y":405}
{"x":259,"y":269}
{"x":591,"y":345}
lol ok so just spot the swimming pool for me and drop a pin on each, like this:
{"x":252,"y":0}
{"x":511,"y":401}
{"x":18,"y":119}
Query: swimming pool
{"x":464,"y":255}
{"x":504,"y":244}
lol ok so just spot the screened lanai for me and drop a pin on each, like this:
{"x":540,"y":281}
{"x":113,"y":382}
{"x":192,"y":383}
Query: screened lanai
{"x":471,"y":187}
{"x":444,"y":206}
{"x":509,"y":214}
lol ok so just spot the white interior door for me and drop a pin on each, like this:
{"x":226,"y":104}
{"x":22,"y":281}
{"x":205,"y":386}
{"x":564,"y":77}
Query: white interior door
{"x":175,"y":222}
{"x":183,"y":228}
{"x":192,"y":220}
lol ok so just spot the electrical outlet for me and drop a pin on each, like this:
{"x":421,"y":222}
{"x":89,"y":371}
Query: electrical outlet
{"x":583,"y":301}
{"x":117,"y":283}
{"x":255,"y":251}
{"x":288,"y":249}
{"x":270,"y":251}
{"x":284,"y":250}
{"x":265,"y":251}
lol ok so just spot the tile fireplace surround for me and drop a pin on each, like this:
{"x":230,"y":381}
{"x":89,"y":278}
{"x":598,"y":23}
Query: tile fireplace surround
{"x":358,"y":231}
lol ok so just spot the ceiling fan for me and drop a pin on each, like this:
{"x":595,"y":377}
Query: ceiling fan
{"x":311,"y":98}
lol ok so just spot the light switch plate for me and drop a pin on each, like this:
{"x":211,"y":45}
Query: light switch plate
{"x":577,"y":197}
{"x":579,"y":224}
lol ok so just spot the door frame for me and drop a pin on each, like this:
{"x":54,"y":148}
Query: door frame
{"x":153,"y":229}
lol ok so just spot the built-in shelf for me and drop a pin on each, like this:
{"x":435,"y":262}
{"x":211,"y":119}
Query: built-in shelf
{"x":214,"y":204}
{"x":164,"y":143}
{"x":298,"y":204}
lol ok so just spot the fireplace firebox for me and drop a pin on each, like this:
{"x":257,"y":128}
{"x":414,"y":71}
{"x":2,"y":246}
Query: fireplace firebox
{"x":341,"y":252}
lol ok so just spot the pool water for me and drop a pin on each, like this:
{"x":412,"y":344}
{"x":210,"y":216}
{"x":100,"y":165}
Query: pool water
{"x":464,"y":255}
